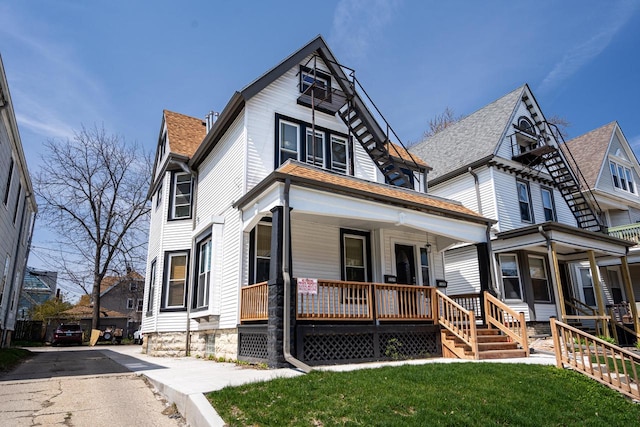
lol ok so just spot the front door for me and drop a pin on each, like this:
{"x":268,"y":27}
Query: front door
{"x":405,"y":265}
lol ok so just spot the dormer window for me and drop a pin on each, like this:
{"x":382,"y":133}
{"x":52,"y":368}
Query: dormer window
{"x":181,"y":196}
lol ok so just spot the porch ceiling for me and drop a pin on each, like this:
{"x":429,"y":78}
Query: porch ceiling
{"x":343,"y":210}
{"x":571,"y":243}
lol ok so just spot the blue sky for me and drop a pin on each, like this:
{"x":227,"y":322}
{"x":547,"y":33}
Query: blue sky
{"x":120,"y":63}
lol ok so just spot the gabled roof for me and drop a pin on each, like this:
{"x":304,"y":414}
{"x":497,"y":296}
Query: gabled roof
{"x":184,"y":133}
{"x":473,"y":138}
{"x":109,"y":282}
{"x":589,"y":151}
{"x":312,"y":177}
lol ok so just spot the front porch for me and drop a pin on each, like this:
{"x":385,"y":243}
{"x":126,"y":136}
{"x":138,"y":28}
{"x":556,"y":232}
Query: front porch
{"x":346,"y":322}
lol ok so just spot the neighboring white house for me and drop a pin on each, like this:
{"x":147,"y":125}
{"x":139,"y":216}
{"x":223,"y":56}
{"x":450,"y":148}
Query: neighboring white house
{"x":612,"y":173}
{"x":296,"y":179}
{"x":504,"y":162}
{"x":17,"y":213}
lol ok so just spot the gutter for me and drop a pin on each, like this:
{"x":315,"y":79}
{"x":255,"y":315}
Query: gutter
{"x":477,"y":185}
{"x":192,"y":263}
{"x":286,"y":346}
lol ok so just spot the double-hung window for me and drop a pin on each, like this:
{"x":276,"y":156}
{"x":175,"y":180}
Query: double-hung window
{"x":129,"y":303}
{"x":524,"y":201}
{"x":201,"y":291}
{"x":159,"y":195}
{"x":510,"y":276}
{"x":263,"y":252}
{"x":424,"y":263}
{"x":587,"y":286}
{"x":339,"y":153}
{"x":289,"y":141}
{"x":7,"y":187}
{"x":622,"y":177}
{"x":315,"y":83}
{"x":152,"y":288}
{"x":139,"y":303}
{"x":175,"y":285}
{"x":315,"y":150}
{"x":17,"y":205}
{"x":548,"y":204}
{"x":539,"y":279}
{"x":181,"y":203}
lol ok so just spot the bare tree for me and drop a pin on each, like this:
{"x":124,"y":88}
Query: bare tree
{"x":441,"y":122}
{"x":561,"y":124}
{"x":92,"y":194}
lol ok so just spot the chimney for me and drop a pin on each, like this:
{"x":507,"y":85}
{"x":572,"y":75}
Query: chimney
{"x":210,"y":119}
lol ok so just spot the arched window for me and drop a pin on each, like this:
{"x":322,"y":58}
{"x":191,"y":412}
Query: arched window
{"x":526,"y":126}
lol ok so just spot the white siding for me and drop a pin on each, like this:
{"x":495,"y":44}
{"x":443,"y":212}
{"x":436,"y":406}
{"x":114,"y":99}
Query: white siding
{"x":462,"y":188}
{"x":462,"y":271}
{"x":315,"y":250}
{"x":544,"y":312}
{"x":220,"y":183}
{"x":391,"y":237}
{"x":281,"y":97}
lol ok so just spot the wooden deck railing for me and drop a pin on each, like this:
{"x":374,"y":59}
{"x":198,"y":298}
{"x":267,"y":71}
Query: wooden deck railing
{"x":504,"y":318}
{"x":458,"y":320}
{"x":586,"y":312}
{"x":345,"y":301}
{"x":403,"y":302}
{"x":337,"y":300}
{"x":254,"y":302}
{"x":607,"y":363}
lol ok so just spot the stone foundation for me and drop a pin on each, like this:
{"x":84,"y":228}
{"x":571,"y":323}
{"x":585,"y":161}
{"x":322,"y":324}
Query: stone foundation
{"x":538,"y":329}
{"x":217,"y":343}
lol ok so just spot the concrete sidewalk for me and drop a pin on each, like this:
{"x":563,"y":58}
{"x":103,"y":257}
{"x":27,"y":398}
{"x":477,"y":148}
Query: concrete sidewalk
{"x":184,"y":380}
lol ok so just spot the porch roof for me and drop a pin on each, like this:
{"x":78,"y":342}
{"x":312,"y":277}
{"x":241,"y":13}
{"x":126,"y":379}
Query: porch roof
{"x":571,"y":241}
{"x":312,"y":177}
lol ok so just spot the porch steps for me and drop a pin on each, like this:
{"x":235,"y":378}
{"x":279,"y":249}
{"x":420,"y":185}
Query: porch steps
{"x":491,"y":345}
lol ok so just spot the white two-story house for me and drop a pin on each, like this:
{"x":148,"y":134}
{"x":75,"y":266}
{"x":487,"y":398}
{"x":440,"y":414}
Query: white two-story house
{"x":292,"y":229}
{"x":611,"y":173}
{"x":504,"y":162}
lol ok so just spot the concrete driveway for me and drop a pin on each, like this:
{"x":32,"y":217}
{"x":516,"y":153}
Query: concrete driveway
{"x":79,"y":386}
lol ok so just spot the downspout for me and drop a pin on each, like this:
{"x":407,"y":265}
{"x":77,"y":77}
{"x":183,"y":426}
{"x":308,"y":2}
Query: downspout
{"x":477,"y":185}
{"x":286,"y":346}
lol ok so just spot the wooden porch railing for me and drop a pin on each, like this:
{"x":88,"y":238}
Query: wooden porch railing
{"x":470,"y":302}
{"x":621,"y":316}
{"x":458,"y":320}
{"x":504,"y":318}
{"x":403,"y":302}
{"x":586,"y":312}
{"x":254,"y":302}
{"x":337,"y":300}
{"x":606,"y":363}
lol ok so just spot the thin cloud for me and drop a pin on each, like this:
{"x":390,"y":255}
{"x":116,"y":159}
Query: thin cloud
{"x":356,"y":24}
{"x":585,"y":52}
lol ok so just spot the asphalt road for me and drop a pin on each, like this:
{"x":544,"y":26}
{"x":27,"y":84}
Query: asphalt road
{"x":79,"y":386}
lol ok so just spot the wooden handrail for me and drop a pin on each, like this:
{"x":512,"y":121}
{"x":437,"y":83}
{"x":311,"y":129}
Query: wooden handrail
{"x":470,"y":302}
{"x":254,"y":302}
{"x":604,"y":362}
{"x":507,"y":320}
{"x":580,"y":307}
{"x":587,"y":313}
{"x":458,"y":320}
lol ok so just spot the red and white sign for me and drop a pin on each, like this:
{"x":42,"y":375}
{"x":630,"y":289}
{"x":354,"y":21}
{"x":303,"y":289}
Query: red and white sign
{"x":308,"y":286}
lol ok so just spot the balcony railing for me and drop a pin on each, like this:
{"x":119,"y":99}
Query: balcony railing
{"x":629,"y":232}
{"x":347,"y":301}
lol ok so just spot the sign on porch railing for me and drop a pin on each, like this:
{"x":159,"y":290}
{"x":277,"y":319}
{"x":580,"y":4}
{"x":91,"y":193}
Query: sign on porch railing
{"x":307,"y":286}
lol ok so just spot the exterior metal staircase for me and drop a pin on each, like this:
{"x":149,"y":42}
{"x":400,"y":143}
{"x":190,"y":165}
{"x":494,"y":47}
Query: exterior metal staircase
{"x":349,"y":103}
{"x":565,"y":177}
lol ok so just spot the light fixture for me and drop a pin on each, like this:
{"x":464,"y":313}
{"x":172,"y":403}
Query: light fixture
{"x":427,"y":245}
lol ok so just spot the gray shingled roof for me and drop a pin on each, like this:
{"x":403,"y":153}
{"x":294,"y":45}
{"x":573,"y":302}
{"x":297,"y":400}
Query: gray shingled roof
{"x":469,"y":140}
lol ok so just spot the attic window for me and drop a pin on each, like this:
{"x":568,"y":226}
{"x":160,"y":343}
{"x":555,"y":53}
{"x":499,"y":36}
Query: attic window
{"x":316,"y":83}
{"x":526,"y":126}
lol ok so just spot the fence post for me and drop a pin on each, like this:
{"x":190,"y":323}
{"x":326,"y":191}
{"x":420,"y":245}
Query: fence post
{"x":525,"y":338}
{"x":556,"y":342}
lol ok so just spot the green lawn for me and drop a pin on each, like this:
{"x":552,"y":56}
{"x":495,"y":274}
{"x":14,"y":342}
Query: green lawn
{"x":9,"y":357}
{"x":458,"y":394}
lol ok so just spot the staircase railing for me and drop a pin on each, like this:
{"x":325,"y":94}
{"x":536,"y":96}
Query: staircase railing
{"x":619,"y":313}
{"x":606,"y":363}
{"x":457,"y":320}
{"x":586,"y":312}
{"x":507,"y":320}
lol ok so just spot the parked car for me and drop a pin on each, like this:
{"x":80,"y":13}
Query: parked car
{"x":67,"y":334}
{"x":137,"y":336}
